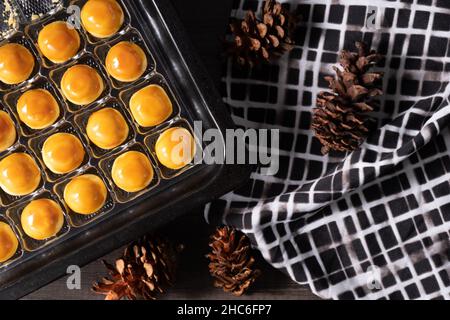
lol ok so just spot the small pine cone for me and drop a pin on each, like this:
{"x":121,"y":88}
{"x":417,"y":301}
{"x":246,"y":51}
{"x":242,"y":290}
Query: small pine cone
{"x":258,"y":40}
{"x":231,"y":263}
{"x":146,"y":269}
{"x":340,"y":119}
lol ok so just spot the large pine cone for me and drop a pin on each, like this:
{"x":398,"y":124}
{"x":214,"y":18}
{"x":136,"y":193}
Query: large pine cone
{"x":341,"y":117}
{"x":146,"y":268}
{"x":257,"y":40}
{"x":231,"y":262}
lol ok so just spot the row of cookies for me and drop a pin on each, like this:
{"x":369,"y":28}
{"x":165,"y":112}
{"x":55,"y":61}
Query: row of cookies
{"x":106,"y":128}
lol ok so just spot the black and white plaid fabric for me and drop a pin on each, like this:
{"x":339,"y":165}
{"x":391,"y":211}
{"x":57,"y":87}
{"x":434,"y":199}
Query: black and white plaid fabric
{"x":373,"y":224}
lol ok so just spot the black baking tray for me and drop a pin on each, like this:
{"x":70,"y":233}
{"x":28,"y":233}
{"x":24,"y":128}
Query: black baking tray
{"x":157,"y":22}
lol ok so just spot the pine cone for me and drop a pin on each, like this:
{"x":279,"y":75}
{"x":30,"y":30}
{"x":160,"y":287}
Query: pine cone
{"x":231,"y":263}
{"x":146,"y":268}
{"x":340,"y":120}
{"x":257,"y":40}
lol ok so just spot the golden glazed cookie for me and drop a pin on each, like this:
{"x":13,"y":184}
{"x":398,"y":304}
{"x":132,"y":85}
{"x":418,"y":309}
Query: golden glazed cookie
{"x":62,"y":153}
{"x":16,"y":63}
{"x":132,"y":171}
{"x":175,"y":148}
{"x":38,"y":109}
{"x":8,"y":132}
{"x":8,"y":242}
{"x":107,"y":128}
{"x":58,"y":42}
{"x":42,"y":219}
{"x":102,"y":18}
{"x":81,"y":84}
{"x":126,"y":61}
{"x":85,"y":194}
{"x":150,"y":106}
{"x":19,"y":174}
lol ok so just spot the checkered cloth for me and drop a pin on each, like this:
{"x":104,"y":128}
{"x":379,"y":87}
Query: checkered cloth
{"x":372,"y":224}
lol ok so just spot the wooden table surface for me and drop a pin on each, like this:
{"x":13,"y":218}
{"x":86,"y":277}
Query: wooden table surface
{"x":206,"y":24}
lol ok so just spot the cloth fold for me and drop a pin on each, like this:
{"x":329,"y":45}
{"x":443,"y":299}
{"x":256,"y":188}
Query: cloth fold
{"x":374,"y":223}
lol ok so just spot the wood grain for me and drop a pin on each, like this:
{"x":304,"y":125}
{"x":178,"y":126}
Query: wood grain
{"x":193,"y":280}
{"x":206,"y":25}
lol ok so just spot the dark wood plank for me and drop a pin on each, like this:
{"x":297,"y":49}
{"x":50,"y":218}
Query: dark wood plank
{"x":193,"y":280}
{"x":206,"y":24}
